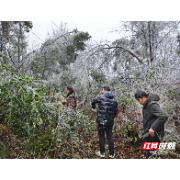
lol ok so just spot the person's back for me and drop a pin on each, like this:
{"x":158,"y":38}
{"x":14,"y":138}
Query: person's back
{"x":107,"y":109}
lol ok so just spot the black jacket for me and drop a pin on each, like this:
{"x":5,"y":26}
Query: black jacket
{"x":107,"y":107}
{"x":154,"y":117}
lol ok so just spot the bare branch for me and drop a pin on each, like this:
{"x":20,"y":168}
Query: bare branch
{"x":11,"y":57}
{"x":125,"y":49}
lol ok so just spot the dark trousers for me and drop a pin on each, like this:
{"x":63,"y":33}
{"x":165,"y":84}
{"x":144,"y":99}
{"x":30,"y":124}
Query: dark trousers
{"x":101,"y":132}
{"x":151,"y":139}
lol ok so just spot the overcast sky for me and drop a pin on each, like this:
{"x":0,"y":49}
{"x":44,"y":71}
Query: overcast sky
{"x":99,"y":30}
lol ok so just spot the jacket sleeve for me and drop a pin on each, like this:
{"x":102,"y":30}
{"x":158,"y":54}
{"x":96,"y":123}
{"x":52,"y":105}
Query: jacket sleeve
{"x":64,"y":102}
{"x":96,"y":100}
{"x":161,"y":117}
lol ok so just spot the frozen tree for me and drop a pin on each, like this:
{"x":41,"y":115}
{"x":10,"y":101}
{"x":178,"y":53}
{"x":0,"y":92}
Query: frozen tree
{"x":13,"y":42}
{"x":52,"y":60}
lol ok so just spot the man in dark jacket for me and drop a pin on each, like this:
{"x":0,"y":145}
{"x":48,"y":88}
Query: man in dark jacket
{"x":154,"y":118}
{"x":107,"y":109}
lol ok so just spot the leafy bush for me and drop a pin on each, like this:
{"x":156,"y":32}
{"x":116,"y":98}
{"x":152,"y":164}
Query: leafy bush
{"x":3,"y":151}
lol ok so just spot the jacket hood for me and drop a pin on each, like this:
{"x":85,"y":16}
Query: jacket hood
{"x":108,"y":94}
{"x":152,"y":97}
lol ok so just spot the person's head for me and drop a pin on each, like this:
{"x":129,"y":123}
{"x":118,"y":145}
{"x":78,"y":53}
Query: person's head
{"x":69,"y":89}
{"x":141,"y":97}
{"x":105,"y":88}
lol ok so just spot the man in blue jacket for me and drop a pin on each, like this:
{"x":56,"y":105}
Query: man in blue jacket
{"x":107,"y":109}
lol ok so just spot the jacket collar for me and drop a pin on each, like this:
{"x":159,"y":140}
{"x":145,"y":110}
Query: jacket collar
{"x":145,"y":102}
{"x":70,"y":93}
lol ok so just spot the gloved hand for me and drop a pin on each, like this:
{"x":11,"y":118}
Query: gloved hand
{"x":94,"y":110}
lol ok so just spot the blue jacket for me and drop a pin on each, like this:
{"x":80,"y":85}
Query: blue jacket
{"x":107,"y":107}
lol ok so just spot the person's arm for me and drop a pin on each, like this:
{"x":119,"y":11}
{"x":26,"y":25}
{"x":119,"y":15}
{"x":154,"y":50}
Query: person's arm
{"x":63,"y":102}
{"x":116,"y":109}
{"x":60,"y":102}
{"x":161,"y":118}
{"x":96,"y":100}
